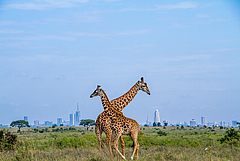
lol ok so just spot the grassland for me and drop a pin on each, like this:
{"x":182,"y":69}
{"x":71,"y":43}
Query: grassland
{"x":156,"y":143}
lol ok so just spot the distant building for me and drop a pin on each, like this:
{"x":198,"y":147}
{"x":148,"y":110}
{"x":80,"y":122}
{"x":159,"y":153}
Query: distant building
{"x":193,"y":122}
{"x":48,"y":123}
{"x":71,"y":119}
{"x":66,"y":123}
{"x":224,"y":124}
{"x":234,"y":123}
{"x":36,"y":123}
{"x":203,"y":121}
{"x":149,"y":123}
{"x":185,"y":123}
{"x":1,"y":125}
{"x":25,"y":118}
{"x":77,"y":118}
{"x":156,"y":116}
{"x":209,"y":124}
{"x":59,"y":121}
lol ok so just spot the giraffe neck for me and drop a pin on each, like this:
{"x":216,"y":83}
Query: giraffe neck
{"x":121,"y":102}
{"x":108,"y":107}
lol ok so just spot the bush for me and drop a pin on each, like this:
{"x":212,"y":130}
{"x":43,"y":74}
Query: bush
{"x":162,"y":133}
{"x":231,"y":136}
{"x":7,"y":140}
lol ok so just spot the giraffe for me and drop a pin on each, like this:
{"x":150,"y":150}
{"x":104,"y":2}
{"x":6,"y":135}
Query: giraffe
{"x":103,"y":121}
{"x":120,"y":125}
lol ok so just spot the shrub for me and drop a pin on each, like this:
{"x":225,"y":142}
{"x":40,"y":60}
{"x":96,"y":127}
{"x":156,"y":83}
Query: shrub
{"x":162,"y":133}
{"x":7,"y":140}
{"x":230,"y":136}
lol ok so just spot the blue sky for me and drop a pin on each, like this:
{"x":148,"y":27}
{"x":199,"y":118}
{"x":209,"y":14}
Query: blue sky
{"x":53,"y":53}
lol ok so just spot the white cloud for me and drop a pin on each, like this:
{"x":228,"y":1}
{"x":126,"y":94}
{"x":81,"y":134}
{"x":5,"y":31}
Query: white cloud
{"x":6,"y":23}
{"x":10,"y":31}
{"x":45,"y":4}
{"x":182,"y":5}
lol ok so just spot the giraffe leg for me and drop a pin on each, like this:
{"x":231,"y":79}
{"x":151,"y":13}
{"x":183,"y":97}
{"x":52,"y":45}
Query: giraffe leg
{"x":123,"y":145}
{"x":98,"y":132}
{"x":116,"y":143}
{"x":135,"y":143}
{"x":112,"y":140}
{"x":137,"y":150}
{"x":109,"y":136}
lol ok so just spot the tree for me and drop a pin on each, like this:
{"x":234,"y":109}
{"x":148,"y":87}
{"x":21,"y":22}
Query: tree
{"x":158,"y":124}
{"x":20,"y":124}
{"x":154,"y":124}
{"x":165,"y":123}
{"x":230,"y":135}
{"x":87,"y":122}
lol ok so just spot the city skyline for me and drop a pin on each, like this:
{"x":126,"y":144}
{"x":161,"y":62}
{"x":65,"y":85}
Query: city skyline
{"x":55,"y":53}
{"x":74,"y":121}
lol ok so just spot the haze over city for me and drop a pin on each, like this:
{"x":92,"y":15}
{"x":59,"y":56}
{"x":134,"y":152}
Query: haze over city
{"x":54,"y":53}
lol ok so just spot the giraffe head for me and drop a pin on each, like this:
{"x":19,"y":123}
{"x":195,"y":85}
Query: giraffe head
{"x":143,"y":86}
{"x":97,"y":92}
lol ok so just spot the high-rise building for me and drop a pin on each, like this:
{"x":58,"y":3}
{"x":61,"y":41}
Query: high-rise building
{"x":193,"y":122}
{"x":71,"y":119}
{"x":25,"y":118}
{"x":234,"y":123}
{"x":48,"y":123}
{"x":210,"y":124}
{"x":203,"y":121}
{"x":149,"y":123}
{"x":156,"y":116}
{"x":221,"y":123}
{"x":59,"y":121}
{"x":77,"y":116}
{"x":36,"y":123}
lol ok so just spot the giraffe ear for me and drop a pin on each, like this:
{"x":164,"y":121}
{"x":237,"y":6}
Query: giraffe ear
{"x":142,"y":79}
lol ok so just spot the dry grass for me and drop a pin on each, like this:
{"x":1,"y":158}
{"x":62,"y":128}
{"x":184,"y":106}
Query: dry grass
{"x":78,"y":144}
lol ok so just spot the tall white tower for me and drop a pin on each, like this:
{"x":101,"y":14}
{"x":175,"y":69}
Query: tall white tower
{"x":156,"y":116}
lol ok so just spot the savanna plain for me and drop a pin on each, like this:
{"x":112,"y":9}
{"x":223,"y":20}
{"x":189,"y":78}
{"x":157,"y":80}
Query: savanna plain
{"x":156,"y":143}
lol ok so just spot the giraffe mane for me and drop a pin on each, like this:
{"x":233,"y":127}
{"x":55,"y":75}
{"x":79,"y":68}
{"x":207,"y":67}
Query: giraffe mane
{"x":127,"y":92}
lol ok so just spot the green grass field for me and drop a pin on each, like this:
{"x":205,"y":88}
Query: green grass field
{"x":156,"y":143}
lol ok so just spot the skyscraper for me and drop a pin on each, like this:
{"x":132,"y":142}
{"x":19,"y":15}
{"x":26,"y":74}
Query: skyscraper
{"x":156,"y":116}
{"x":59,"y":121}
{"x":48,"y":123}
{"x":36,"y":123}
{"x":77,"y":116}
{"x":193,"y":122}
{"x":71,"y":119}
{"x":203,"y":121}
